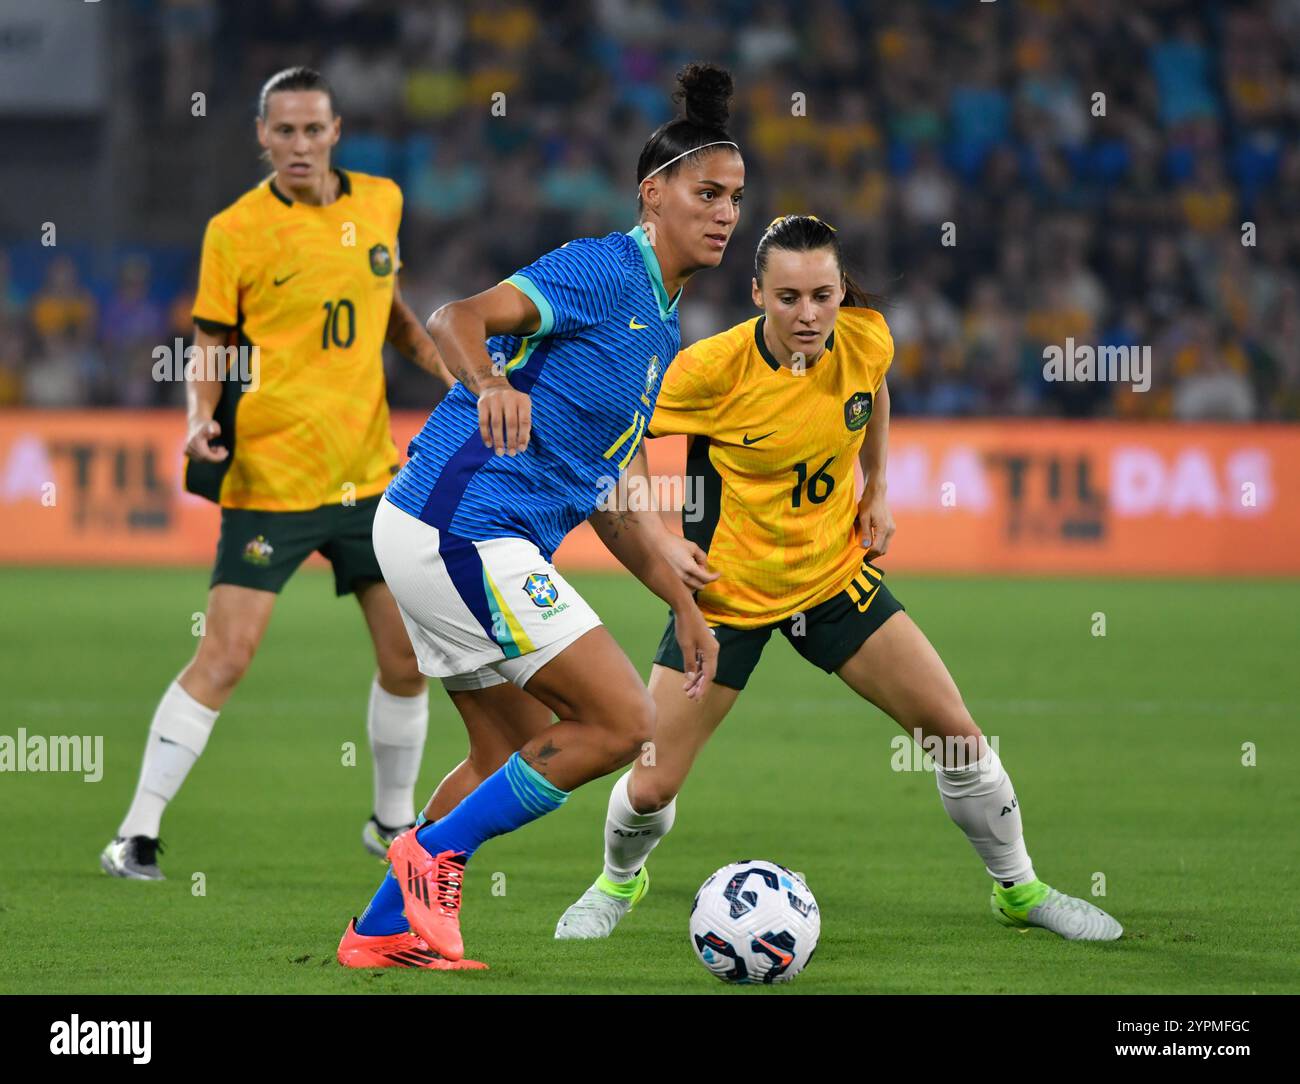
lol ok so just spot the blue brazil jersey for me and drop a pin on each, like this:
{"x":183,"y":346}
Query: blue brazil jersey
{"x":592,"y":370}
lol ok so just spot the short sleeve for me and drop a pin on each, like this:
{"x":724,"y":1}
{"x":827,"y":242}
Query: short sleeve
{"x":867,"y":336}
{"x":689,"y":396}
{"x":397,"y":201}
{"x":888,"y":348}
{"x":574,"y":286}
{"x":216,"y":304}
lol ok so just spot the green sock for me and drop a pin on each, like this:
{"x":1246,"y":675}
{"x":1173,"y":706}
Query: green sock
{"x":624,"y":890}
{"x":1021,"y":897}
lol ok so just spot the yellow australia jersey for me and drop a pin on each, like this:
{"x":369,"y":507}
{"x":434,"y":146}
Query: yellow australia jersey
{"x":311,"y":289}
{"x":774,"y":449}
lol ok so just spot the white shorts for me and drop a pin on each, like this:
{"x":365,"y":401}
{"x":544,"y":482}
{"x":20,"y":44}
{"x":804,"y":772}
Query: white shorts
{"x":478,"y":613}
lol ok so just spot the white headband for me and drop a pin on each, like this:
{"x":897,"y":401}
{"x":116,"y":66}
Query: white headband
{"x":715,"y":143}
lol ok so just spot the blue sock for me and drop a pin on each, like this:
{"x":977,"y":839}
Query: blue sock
{"x":511,"y":797}
{"x":384,"y":913}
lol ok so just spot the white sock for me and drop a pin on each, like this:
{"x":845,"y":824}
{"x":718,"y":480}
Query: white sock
{"x":980,"y":800}
{"x":177,"y":735}
{"x":631,"y":836}
{"x":397,"y":726}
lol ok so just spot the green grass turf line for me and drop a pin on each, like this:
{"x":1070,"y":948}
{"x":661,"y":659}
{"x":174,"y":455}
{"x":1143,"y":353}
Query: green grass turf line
{"x":1125,"y":749}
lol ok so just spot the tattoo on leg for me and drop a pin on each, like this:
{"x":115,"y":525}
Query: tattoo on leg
{"x":538,"y":760}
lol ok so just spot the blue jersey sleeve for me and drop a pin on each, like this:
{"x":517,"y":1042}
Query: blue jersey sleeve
{"x":574,"y":286}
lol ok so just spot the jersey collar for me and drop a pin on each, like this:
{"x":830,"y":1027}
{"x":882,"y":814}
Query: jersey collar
{"x":345,"y":188}
{"x":666,"y":307}
{"x":769,"y":357}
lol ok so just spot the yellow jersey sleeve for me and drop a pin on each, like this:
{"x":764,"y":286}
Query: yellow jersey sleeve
{"x":692,"y":391}
{"x":217,"y":299}
{"x":395,"y":201}
{"x":887,"y":345}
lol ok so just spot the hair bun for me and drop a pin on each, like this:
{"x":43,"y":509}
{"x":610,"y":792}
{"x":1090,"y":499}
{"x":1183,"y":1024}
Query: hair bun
{"x":705,"y":90}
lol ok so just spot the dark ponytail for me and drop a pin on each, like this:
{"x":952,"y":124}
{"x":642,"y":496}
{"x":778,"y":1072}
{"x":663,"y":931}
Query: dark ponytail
{"x":294,"y":79}
{"x":805,"y":233}
{"x":704,"y":90}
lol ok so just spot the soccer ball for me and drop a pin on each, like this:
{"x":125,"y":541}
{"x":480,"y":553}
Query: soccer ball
{"x":755,"y":921}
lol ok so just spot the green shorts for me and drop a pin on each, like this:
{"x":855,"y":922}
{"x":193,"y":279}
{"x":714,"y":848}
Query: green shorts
{"x":263,"y":549}
{"x":827,"y":635}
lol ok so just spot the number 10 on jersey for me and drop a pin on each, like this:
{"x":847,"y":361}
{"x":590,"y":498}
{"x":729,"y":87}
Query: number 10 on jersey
{"x":335,"y":321}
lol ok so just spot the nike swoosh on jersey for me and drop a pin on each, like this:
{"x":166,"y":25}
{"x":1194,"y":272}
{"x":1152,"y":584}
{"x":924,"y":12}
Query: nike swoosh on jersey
{"x":281,"y":282}
{"x":747,"y":442}
{"x":634,"y":325}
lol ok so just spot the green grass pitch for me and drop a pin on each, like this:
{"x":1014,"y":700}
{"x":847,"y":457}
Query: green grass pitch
{"x":1126,"y":751}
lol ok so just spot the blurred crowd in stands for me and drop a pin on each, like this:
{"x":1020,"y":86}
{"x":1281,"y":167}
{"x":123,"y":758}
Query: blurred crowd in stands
{"x":1003,"y":176}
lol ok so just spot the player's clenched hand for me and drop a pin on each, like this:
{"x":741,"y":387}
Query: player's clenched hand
{"x":875,"y":524}
{"x":198,"y":445}
{"x":505,"y":418}
{"x":689,"y":562}
{"x":699,"y":650}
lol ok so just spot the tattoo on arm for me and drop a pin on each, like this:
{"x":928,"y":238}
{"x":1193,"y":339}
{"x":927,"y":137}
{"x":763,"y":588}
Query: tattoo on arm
{"x":621,"y":521}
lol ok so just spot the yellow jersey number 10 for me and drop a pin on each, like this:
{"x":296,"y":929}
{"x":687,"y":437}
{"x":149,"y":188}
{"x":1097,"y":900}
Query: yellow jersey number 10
{"x":332,"y":331}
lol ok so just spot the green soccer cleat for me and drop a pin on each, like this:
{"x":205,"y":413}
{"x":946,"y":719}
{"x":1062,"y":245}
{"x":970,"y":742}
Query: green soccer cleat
{"x":598,"y":910}
{"x":377,"y":838}
{"x":1039,"y":904}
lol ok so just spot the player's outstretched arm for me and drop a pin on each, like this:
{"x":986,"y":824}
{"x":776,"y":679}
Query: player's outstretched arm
{"x":638,"y":546}
{"x":409,"y":337}
{"x":875,"y":522}
{"x":630,"y":538}
{"x":460,"y":330}
{"x":687,"y":560}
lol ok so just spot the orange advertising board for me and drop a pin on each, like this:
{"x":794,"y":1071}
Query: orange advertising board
{"x":104,"y":487}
